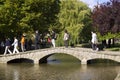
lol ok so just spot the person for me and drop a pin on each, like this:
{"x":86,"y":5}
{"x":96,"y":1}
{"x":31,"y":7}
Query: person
{"x":37,"y":40}
{"x":7,"y":46}
{"x":2,"y":46}
{"x":30,"y":44}
{"x":23,"y":43}
{"x":53,"y":37}
{"x":94,"y":41}
{"x":66,"y":38}
{"x":15,"y":44}
{"x":49,"y":41}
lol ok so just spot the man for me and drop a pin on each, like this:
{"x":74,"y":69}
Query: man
{"x":37,"y":39}
{"x":94,"y":41}
{"x":7,"y":46}
{"x":15,"y":44}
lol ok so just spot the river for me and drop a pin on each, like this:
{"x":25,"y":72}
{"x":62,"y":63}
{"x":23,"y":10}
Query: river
{"x":59,"y":67}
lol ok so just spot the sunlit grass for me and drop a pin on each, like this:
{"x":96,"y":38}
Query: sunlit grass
{"x":116,"y":47}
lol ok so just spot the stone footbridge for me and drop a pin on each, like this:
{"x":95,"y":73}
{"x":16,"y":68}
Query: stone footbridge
{"x":118,"y":77}
{"x":41,"y":55}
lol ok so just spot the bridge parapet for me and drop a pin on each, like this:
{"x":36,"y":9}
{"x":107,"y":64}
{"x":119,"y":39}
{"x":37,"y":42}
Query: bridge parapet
{"x":118,"y":77}
{"x":83,"y":54}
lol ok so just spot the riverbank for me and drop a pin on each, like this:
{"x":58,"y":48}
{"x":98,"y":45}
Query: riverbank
{"x":116,"y":47}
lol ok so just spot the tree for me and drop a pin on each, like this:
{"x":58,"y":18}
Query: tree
{"x":43,"y":14}
{"x":106,"y":19}
{"x":10,"y":16}
{"x":74,"y":16}
{"x":19,"y":16}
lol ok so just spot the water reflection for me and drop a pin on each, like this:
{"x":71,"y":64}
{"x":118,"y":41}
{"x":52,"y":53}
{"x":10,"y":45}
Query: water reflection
{"x":16,"y":75}
{"x":57,"y":72}
{"x":65,"y":69}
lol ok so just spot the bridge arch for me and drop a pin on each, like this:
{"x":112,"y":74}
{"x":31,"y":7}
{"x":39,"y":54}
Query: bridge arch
{"x":108,"y":58}
{"x":20,"y":60}
{"x":101,"y":60}
{"x":45,"y":57}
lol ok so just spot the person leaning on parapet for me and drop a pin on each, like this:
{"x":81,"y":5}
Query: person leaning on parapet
{"x":7,"y":46}
{"x":15,"y":44}
{"x":94,"y":41}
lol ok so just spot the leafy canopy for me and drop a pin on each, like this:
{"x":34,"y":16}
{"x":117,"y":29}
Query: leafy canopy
{"x":106,"y":19}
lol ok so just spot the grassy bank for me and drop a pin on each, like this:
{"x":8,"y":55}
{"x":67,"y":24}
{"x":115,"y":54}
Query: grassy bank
{"x":116,"y":47}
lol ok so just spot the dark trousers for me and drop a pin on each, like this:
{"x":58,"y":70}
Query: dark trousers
{"x":66,"y":43}
{"x":94,"y":46}
{"x":37,"y":46}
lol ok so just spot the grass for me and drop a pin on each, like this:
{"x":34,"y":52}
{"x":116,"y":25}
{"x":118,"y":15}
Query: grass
{"x":116,"y":47}
{"x":113,"y":49}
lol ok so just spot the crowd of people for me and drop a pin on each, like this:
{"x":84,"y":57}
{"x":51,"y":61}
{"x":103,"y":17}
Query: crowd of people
{"x":23,"y":44}
{"x":40,"y":41}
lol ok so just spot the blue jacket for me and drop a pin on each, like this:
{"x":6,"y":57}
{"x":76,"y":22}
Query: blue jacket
{"x":7,"y":43}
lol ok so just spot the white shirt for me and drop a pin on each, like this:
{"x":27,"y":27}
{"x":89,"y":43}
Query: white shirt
{"x":65,"y":36}
{"x":15,"y":43}
{"x":94,"y":38}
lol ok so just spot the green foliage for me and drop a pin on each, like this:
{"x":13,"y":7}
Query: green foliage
{"x":106,"y":19}
{"x":75,"y":17}
{"x":10,"y":18}
{"x":26,"y":16}
{"x":19,"y":16}
{"x":108,"y":36}
{"x":44,"y":14}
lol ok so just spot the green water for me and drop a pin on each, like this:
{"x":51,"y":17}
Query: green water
{"x":59,"y":67}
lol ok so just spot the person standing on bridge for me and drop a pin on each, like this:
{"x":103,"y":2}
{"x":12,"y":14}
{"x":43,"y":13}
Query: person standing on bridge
{"x":66,"y":38}
{"x":15,"y":44}
{"x":37,"y":40}
{"x":23,"y":43}
{"x":53,"y":36}
{"x":7,"y":46}
{"x":94,"y":41}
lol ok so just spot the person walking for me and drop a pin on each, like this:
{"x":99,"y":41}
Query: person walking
{"x":94,"y":41}
{"x":23,"y":43}
{"x":15,"y":44}
{"x":7,"y":46}
{"x":66,"y":38}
